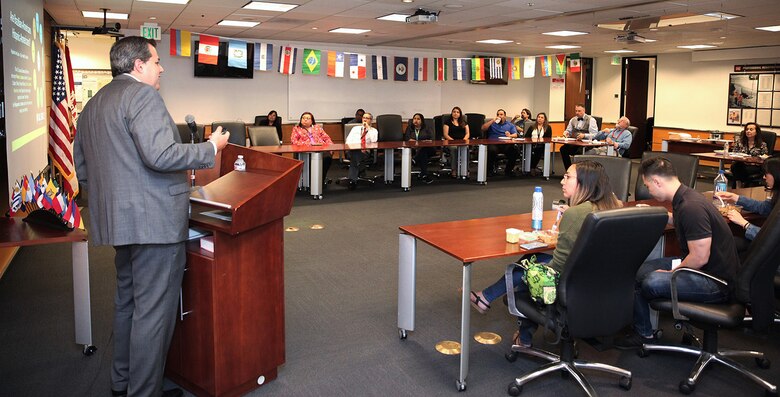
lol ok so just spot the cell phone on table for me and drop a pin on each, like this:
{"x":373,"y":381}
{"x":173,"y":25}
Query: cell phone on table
{"x":533,"y":245}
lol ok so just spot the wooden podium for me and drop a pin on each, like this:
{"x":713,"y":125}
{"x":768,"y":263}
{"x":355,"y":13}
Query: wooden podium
{"x":229,"y":335}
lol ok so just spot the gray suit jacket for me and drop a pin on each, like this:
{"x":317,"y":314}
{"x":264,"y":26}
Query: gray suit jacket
{"x":129,"y":156}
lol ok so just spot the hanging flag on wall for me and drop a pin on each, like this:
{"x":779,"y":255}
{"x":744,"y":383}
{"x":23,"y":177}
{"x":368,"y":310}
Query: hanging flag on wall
{"x":311,"y":61}
{"x":514,"y":68}
{"x":401,"y":69}
{"x":496,"y":68}
{"x":60,"y":125}
{"x":560,"y":64}
{"x":335,"y":64}
{"x":529,"y":67}
{"x":208,"y":49}
{"x":420,"y":69}
{"x":357,"y":66}
{"x":460,"y":68}
{"x":263,"y":56}
{"x":441,"y":69}
{"x":574,"y":62}
{"x":180,"y":44}
{"x":477,"y":69}
{"x":545,"y":63}
{"x":237,"y":54}
{"x":287,"y":57}
{"x":379,"y":67}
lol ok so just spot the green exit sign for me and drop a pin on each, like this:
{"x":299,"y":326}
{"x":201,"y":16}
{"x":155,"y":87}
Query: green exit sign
{"x":150,"y":31}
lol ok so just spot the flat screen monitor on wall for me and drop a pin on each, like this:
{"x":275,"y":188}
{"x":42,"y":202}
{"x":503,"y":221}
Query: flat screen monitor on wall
{"x":221,"y":69}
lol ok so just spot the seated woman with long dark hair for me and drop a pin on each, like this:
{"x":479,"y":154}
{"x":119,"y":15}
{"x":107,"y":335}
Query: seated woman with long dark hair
{"x":586,"y":186}
{"x":417,"y":130}
{"x":273,"y":120}
{"x":538,"y":130}
{"x":749,"y":142}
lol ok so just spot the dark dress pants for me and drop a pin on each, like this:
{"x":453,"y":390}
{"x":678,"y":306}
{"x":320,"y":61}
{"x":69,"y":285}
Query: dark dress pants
{"x":148,"y":278}
{"x":511,"y":157}
{"x":566,"y":152}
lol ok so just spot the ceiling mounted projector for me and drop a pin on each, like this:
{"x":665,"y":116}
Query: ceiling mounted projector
{"x":421,"y":16}
{"x":630,"y":38}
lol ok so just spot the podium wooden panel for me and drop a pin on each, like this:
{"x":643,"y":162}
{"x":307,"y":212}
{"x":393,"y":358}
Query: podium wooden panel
{"x":229,"y":337}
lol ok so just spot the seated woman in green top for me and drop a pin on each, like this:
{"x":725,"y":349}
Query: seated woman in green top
{"x":586,"y":186}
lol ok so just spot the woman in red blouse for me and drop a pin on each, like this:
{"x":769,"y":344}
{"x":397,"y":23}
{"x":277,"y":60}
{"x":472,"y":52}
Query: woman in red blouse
{"x":308,"y":133}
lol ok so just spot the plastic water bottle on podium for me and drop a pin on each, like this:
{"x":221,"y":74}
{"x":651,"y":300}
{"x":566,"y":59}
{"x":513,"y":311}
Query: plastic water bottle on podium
{"x":240,"y":164}
{"x":537,"y":209}
{"x":721,"y":185}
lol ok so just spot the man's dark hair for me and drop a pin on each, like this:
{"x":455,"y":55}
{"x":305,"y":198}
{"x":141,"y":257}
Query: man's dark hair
{"x":580,"y":105}
{"x":125,"y":51}
{"x":657,"y":166}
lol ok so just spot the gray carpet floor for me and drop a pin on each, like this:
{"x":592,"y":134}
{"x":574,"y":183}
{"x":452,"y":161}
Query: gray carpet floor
{"x":340,"y":306}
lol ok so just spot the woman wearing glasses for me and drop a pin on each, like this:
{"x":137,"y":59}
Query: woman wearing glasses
{"x":586,"y":186}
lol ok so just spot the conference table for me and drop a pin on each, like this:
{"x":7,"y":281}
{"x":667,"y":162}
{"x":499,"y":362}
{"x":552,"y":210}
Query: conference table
{"x":469,"y":241}
{"x":14,"y":232}
{"x":311,"y":177}
{"x":728,"y":158}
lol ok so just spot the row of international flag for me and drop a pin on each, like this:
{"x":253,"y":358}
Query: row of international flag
{"x":355,"y":65}
{"x":31,"y":194}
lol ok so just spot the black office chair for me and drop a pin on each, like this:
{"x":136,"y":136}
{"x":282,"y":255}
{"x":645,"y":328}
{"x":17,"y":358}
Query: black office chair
{"x":346,"y":120}
{"x":618,"y":170}
{"x":261,"y":120}
{"x":685,"y":165}
{"x":186,"y":135}
{"x":637,"y":143}
{"x":754,"y":290}
{"x":475,"y":121}
{"x":264,"y":135}
{"x":237,"y":131}
{"x":598,"y":122}
{"x":595,"y":292}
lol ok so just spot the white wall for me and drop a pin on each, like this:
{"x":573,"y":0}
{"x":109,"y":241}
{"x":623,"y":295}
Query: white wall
{"x":694,"y":94}
{"x":606,"y":84}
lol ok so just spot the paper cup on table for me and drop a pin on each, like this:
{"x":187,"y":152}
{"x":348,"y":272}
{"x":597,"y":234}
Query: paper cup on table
{"x":512,"y":235}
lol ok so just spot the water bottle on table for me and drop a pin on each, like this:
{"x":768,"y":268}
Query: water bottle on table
{"x":240,"y":164}
{"x":537,"y":209}
{"x":721,"y":185}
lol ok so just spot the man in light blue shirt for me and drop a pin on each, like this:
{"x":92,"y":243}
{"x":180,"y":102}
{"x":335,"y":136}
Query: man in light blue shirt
{"x":619,"y":137}
{"x":497,"y":128}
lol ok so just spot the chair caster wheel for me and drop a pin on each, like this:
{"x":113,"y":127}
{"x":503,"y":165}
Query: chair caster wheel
{"x":514,"y":389}
{"x":763,"y":363}
{"x":625,"y":382}
{"x":460,"y":385}
{"x":687,"y":387}
{"x":317,"y":197}
{"x":406,"y":189}
{"x":90,"y":350}
{"x":402,"y":334}
{"x":511,"y":356}
{"x":642,"y":353}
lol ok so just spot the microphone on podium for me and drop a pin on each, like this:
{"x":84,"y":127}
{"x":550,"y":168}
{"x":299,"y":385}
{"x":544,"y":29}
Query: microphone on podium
{"x":190,"y":120}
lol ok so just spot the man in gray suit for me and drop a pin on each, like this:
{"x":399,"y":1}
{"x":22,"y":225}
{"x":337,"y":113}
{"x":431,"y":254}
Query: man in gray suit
{"x":130,"y":158}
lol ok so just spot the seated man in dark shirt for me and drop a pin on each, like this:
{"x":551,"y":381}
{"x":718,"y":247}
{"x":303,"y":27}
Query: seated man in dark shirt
{"x":706,"y":245}
{"x":497,"y":128}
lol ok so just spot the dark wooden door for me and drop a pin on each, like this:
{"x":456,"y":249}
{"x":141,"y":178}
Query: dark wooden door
{"x":636,"y":73}
{"x":579,"y":86}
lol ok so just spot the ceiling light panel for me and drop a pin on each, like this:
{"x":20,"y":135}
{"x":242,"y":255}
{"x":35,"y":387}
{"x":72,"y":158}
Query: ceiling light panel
{"x":394,"y":17}
{"x":564,"y":33}
{"x":349,"y":30}
{"x":264,"y":6}
{"x":167,"y":1}
{"x":775,"y":28}
{"x":494,"y":41}
{"x":240,"y":24}
{"x":562,"y":47}
{"x":99,"y":14}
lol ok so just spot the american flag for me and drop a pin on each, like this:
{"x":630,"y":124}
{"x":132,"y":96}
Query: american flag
{"x":60,"y":125}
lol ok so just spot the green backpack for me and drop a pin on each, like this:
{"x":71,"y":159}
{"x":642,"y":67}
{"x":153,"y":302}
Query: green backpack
{"x":542,"y":281}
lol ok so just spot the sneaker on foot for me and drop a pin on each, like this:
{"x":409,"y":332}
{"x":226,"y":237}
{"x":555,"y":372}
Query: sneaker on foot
{"x":632,"y":341}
